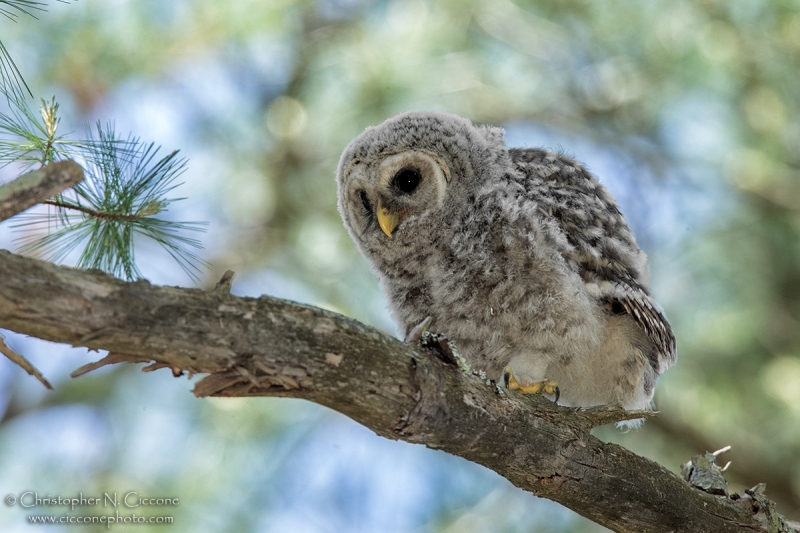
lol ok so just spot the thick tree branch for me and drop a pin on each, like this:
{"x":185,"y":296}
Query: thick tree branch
{"x":271,"y":347}
{"x":37,"y":186}
{"x":18,"y":195}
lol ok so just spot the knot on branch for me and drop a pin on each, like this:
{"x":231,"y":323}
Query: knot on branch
{"x":763,"y":510}
{"x":703,"y":473}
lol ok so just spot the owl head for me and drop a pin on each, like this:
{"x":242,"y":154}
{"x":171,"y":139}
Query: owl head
{"x":398,"y":180}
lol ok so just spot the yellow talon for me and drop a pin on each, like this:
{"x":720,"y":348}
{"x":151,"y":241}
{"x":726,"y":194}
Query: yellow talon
{"x":540,"y":387}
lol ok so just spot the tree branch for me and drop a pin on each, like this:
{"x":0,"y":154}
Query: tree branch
{"x":272,"y":347}
{"x":37,"y":186}
{"x":757,"y":466}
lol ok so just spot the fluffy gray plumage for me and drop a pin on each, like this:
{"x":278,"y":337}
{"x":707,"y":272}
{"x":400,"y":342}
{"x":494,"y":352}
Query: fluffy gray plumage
{"x":520,"y":256}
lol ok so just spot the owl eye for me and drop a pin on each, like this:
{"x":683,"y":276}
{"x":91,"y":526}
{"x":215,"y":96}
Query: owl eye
{"x":407,"y":180}
{"x":365,"y":201}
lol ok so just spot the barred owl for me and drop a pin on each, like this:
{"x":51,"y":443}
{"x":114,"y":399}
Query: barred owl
{"x":519,"y":256}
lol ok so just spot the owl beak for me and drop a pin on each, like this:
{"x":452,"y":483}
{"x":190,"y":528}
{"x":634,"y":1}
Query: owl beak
{"x":386,"y":220}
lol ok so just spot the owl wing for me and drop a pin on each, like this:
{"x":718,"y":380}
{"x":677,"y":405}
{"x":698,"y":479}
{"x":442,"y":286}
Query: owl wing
{"x":583,"y":222}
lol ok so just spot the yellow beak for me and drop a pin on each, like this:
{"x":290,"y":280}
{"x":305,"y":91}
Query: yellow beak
{"x":386,"y":220}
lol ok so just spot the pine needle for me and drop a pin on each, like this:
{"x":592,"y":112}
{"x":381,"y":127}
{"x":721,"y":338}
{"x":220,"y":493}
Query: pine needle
{"x":125,"y":191}
{"x":31,"y":139}
{"x":124,"y":195}
{"x":23,"y":6}
{"x":11,"y":80}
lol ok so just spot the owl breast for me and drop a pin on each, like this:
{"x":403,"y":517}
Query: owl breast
{"x":492,"y":284}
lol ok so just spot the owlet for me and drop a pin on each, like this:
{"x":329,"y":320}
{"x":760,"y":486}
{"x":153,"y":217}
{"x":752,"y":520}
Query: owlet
{"x":519,"y":256}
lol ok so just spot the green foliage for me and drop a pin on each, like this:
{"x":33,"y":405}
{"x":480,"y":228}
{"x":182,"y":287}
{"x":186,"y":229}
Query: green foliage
{"x":124,"y":193}
{"x":29,"y":139}
{"x":125,"y":184}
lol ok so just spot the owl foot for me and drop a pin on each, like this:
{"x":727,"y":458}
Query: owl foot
{"x":539,"y":387}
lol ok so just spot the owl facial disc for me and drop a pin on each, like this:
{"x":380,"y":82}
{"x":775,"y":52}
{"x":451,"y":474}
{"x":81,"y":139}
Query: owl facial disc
{"x":398,"y":193}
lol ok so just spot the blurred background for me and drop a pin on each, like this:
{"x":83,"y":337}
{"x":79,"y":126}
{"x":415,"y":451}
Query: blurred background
{"x":687,"y":111}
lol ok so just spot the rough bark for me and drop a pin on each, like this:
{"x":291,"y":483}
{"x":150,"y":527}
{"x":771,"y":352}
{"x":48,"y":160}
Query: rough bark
{"x":272,"y":347}
{"x":29,"y":189}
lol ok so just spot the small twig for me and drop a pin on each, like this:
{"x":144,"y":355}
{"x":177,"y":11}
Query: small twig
{"x":152,"y":367}
{"x":111,"y":359}
{"x":721,"y":451}
{"x":37,"y":186}
{"x":224,"y":284}
{"x":23,"y":363}
{"x":609,"y":414}
{"x":91,"y":212}
{"x":414,"y":336}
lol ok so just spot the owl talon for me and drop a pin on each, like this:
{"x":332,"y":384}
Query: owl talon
{"x":540,"y":387}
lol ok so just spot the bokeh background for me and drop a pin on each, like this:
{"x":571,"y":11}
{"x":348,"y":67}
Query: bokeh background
{"x":687,"y":111}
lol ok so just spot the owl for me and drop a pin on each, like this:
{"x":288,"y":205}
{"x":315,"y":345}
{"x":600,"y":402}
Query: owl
{"x":519,"y":256}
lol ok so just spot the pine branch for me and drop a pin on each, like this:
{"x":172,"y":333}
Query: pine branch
{"x":272,"y":347}
{"x":30,"y":139}
{"x":125,"y":194}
